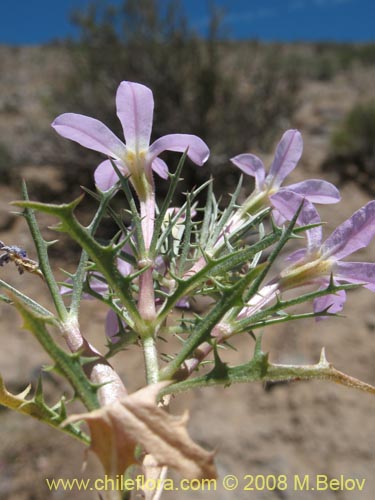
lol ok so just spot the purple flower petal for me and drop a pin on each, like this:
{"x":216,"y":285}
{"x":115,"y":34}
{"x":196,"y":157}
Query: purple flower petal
{"x":183,"y":303}
{"x":296,"y":255}
{"x":251,"y":165}
{"x":198,"y":150}
{"x":288,"y":202}
{"x":135,"y":108}
{"x":105,"y":175}
{"x":124,"y":267}
{"x":160,"y":265}
{"x":356,"y":272}
{"x":288,"y":153}
{"x":160,"y":167}
{"x":353,"y":234}
{"x":331,"y":303}
{"x":316,"y":191}
{"x":278,"y":218}
{"x":65,"y":289}
{"x":90,"y":133}
{"x":112,"y":326}
{"x":97,"y":285}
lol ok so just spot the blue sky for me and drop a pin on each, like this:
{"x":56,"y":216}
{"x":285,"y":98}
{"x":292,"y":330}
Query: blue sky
{"x":40,"y":21}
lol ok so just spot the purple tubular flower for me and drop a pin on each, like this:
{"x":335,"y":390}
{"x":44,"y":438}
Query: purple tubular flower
{"x":321,"y":260}
{"x":287,"y":155}
{"x":135,"y":157}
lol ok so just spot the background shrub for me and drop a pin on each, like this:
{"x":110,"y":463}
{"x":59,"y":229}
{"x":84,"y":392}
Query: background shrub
{"x":235,"y":98}
{"x":353,"y":146}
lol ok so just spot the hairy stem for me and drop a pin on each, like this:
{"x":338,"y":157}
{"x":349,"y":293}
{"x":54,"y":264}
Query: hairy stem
{"x":99,"y":371}
{"x":146,"y":299}
{"x":151,"y":360}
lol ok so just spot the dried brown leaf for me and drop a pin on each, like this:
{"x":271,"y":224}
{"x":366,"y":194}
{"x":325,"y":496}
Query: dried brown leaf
{"x":116,"y":429}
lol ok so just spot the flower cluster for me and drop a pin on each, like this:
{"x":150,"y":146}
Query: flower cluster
{"x":135,"y":159}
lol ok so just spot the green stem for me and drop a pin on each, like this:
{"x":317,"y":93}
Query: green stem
{"x":151,"y":359}
{"x":259,"y":369}
{"x":146,"y":298}
{"x":42,"y":250}
{"x":66,"y":363}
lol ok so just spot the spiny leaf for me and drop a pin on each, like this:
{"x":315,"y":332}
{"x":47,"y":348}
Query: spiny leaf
{"x":265,"y":317}
{"x":186,"y":245}
{"x":68,"y":364}
{"x":35,"y":306}
{"x":228,"y":212}
{"x":42,"y":250}
{"x":260,"y":369}
{"x":213,"y":267}
{"x":104,"y":257}
{"x":203,"y":329}
{"x":175,"y":179}
{"x":37,"y":408}
{"x":136,"y":219}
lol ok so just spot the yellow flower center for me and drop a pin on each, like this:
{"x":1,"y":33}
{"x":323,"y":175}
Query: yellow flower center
{"x":305,"y":272}
{"x":136,"y":162}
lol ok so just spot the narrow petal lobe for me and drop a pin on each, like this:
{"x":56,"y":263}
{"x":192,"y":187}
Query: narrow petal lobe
{"x":90,"y":133}
{"x":135,"y":108}
{"x":288,"y":202}
{"x":105,"y":176}
{"x":330,"y":303}
{"x":316,"y":191}
{"x":353,"y":234}
{"x":288,"y":153}
{"x":160,"y":167}
{"x":198,"y":150}
{"x":356,"y":272}
{"x":251,"y":165}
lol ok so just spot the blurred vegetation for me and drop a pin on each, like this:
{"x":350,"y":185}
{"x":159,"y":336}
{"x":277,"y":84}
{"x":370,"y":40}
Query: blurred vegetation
{"x":353,"y":146}
{"x":6,"y":163}
{"x":327,"y":59}
{"x":235,"y":98}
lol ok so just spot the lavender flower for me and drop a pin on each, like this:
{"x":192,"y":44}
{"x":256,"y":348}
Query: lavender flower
{"x":268,"y":187}
{"x":320,"y":260}
{"x":135,"y":105}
